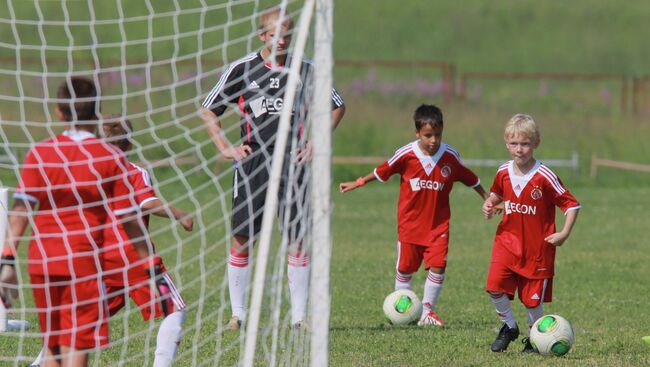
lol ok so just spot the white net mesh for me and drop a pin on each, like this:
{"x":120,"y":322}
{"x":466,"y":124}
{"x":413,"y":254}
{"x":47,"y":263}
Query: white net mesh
{"x":154,"y":63}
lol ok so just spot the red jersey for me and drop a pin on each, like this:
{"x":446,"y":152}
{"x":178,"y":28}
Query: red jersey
{"x":528,"y":218}
{"x":119,"y":252}
{"x":423,"y":208}
{"x":75,"y":179}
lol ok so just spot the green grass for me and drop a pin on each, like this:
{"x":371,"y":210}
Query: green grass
{"x":598,"y":285}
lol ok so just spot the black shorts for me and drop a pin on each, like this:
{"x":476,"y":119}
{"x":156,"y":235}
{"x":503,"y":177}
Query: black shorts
{"x":250,"y":182}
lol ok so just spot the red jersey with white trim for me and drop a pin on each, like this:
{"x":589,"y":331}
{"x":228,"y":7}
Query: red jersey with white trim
{"x":120,"y":257}
{"x":528,"y":218}
{"x":75,"y":179}
{"x":423,"y":208}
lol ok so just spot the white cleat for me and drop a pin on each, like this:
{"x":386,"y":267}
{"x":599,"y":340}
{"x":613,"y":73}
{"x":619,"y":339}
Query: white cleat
{"x":430,"y":318}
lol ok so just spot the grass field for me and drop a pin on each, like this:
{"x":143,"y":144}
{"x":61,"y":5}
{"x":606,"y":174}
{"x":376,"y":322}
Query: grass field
{"x":601,"y":283}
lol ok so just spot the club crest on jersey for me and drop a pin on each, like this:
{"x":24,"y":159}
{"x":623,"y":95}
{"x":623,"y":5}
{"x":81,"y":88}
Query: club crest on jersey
{"x":445,"y":171}
{"x":536,"y":193}
{"x":418,"y":184}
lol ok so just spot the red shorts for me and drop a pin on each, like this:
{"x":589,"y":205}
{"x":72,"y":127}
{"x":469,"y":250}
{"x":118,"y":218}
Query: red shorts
{"x":152,"y":303}
{"x":531,"y":291}
{"x":410,"y":256}
{"x":71,"y":313}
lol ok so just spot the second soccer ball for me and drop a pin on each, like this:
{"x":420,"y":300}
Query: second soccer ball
{"x":402,"y":307}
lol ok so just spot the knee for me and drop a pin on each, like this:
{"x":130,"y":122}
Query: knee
{"x":496,"y":294}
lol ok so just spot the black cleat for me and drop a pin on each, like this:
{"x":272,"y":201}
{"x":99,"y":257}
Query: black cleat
{"x":528,"y":347}
{"x":506,"y":335}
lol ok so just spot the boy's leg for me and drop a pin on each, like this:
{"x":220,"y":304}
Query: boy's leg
{"x":74,"y":357}
{"x":435,"y":259}
{"x":163,"y":301}
{"x":238,"y":279}
{"x":39,"y":358}
{"x":409,"y":258}
{"x":501,"y":285}
{"x":298,"y":275}
{"x":168,"y":339}
{"x":533,"y":293}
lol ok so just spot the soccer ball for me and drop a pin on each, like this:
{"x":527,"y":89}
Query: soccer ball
{"x":551,"y":335}
{"x":402,"y":307}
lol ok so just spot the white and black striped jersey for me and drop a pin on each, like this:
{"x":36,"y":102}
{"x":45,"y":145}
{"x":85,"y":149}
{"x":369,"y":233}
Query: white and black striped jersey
{"x":257,"y":89}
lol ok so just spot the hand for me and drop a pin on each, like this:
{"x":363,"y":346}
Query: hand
{"x":556,"y":239}
{"x":348,"y":186}
{"x":237,"y":153}
{"x":488,"y":209}
{"x":8,"y":280}
{"x":162,"y":289}
{"x":305,"y":154}
{"x":187,"y":222}
{"x":498,"y":209}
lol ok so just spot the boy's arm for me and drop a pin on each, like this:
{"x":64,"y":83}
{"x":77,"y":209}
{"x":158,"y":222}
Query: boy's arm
{"x":351,"y":185}
{"x":213,"y":124}
{"x":163,"y":209}
{"x":17,"y":222}
{"x":558,"y":238}
{"x":490,"y":205}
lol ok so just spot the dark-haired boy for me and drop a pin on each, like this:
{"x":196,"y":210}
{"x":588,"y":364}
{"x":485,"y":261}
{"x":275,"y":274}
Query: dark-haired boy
{"x":428,"y":169}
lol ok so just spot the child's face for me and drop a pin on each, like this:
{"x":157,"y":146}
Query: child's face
{"x":430,"y":138}
{"x":521,"y":149}
{"x":283,"y":41}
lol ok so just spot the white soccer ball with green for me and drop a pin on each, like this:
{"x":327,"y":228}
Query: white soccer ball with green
{"x":402,"y":307}
{"x":552,"y":335}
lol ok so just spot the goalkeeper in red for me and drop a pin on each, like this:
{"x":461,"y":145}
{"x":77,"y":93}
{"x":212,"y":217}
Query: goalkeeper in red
{"x":428,"y":169}
{"x":256,"y":85}
{"x":523,"y":255}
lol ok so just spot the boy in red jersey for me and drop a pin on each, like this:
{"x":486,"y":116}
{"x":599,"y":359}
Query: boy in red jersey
{"x":428,"y":169}
{"x":126,"y":274}
{"x":524,"y":246}
{"x":78,"y":182}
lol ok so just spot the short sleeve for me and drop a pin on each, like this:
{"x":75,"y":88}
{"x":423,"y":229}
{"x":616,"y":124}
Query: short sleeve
{"x":465,"y":175}
{"x":562,"y":198}
{"x":141,"y":181}
{"x":227,"y":90}
{"x":123,"y":194}
{"x":497,"y":185}
{"x":31,"y":184}
{"x":392,"y":166}
{"x":337,"y":100}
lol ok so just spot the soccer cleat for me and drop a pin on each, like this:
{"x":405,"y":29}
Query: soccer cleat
{"x":301,"y":325}
{"x":528,"y":347}
{"x":430,"y":318}
{"x":506,"y":335}
{"x":234,"y":323}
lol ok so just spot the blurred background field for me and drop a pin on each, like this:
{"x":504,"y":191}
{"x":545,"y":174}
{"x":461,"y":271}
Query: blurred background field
{"x":601,"y":283}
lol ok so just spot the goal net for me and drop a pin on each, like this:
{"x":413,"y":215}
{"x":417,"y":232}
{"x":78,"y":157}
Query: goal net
{"x":154,"y":63}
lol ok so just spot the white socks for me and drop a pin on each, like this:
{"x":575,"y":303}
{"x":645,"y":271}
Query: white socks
{"x":403,"y":281}
{"x":432,"y":288}
{"x":298,"y":274}
{"x":169,"y":337}
{"x":504,"y":310}
{"x":238,"y":278}
{"x":534,"y":314}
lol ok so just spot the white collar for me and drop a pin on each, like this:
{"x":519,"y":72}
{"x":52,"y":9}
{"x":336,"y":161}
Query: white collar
{"x":78,"y":135}
{"x":428,"y":161}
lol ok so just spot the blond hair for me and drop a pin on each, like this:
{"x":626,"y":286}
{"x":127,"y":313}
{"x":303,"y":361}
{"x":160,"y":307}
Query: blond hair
{"x":270,"y":16}
{"x":522,"y":125}
{"x":117,"y":130}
